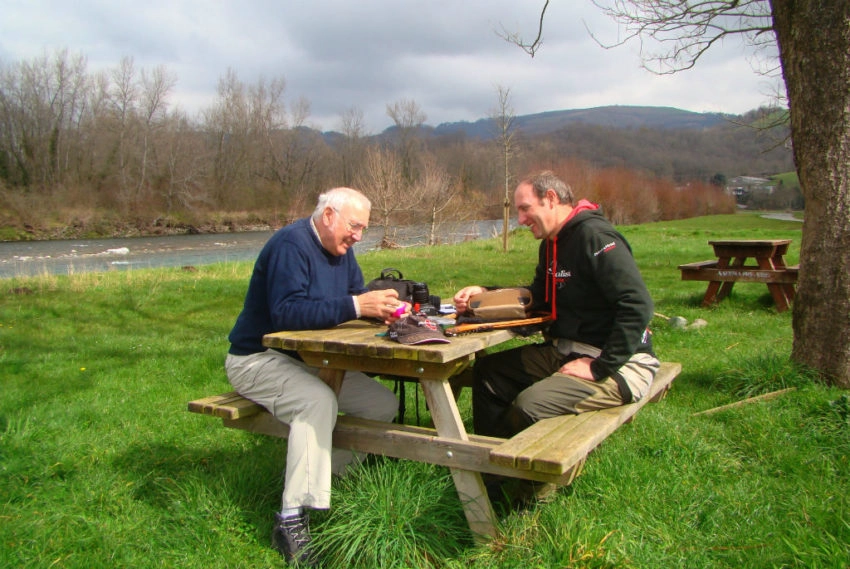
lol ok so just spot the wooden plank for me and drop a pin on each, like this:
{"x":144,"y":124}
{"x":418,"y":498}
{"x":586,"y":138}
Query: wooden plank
{"x":555,"y":445}
{"x":467,"y":478}
{"x":568,"y":440}
{"x":360,"y":338}
{"x":557,"y":455}
{"x":552,"y":450}
{"x":332,"y":377}
{"x":407,"y":368}
{"x":741,"y":274}
{"x":519,"y":450}
{"x":227,"y":406}
{"x":699,"y":265}
{"x":399,"y":441}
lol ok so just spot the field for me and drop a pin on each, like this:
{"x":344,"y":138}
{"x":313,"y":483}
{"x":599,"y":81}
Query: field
{"x":102,"y":466}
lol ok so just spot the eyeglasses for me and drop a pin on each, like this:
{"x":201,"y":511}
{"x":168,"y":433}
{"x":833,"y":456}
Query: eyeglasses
{"x":353,"y":226}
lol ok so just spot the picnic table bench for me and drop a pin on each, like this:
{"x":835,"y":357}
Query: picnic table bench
{"x":553,"y":450}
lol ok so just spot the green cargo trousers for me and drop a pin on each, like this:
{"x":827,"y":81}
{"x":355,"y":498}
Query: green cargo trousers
{"x":515,"y":388}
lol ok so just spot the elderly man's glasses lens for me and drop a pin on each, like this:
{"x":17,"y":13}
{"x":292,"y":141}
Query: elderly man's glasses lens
{"x":353,"y":227}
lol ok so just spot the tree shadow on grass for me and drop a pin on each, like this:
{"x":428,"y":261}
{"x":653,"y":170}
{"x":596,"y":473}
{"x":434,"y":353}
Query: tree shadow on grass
{"x":242,"y":480}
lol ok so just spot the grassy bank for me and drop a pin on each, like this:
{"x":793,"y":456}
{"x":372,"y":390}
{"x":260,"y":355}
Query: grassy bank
{"x":102,"y":466}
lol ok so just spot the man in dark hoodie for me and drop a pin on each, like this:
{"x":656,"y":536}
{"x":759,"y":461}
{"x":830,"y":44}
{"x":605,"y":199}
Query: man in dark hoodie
{"x":597,"y":352}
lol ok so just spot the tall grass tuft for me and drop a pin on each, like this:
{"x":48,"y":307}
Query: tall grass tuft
{"x":762,"y":373}
{"x":393,"y":514}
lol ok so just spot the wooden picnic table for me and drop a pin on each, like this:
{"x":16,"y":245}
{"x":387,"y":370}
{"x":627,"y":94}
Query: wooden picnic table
{"x":731,"y":266}
{"x":552,"y":450}
{"x":357,"y":346}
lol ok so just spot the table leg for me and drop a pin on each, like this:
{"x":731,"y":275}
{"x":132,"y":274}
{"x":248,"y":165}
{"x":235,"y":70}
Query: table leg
{"x":726,"y":287}
{"x":778,"y":261}
{"x":469,"y":485}
{"x":778,"y":291}
{"x":333,"y":377}
{"x":711,"y":293}
{"x":714,"y":286}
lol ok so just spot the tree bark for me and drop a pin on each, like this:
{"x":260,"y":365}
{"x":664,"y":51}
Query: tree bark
{"x":814,"y":46}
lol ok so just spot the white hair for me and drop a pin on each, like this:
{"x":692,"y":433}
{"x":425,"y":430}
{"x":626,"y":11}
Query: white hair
{"x":336,"y":198}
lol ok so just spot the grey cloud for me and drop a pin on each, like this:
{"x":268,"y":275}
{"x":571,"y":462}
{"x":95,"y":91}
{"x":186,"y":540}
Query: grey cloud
{"x":339,"y":54}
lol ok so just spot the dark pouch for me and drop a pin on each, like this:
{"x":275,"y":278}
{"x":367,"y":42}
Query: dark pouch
{"x":392,"y":278}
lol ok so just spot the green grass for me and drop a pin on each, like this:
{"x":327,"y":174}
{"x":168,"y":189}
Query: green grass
{"x":102,"y":466}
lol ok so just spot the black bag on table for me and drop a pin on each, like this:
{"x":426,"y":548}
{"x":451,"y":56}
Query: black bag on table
{"x":392,"y":278}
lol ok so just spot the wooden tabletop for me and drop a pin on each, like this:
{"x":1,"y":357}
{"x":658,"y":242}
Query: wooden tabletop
{"x":753,"y":242}
{"x":759,"y":249}
{"x":363,"y":345}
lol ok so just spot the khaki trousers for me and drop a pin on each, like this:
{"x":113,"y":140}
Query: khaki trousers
{"x":292,"y":391}
{"x":516,"y":388}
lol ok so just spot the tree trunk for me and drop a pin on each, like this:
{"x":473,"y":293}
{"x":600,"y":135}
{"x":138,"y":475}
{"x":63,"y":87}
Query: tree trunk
{"x":814,"y":46}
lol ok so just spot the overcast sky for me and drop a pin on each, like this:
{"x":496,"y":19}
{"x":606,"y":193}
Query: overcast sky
{"x":366,"y":54}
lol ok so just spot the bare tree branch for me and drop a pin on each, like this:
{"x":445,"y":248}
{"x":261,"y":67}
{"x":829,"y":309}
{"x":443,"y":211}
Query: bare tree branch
{"x":684,"y":31}
{"x":516,"y":39}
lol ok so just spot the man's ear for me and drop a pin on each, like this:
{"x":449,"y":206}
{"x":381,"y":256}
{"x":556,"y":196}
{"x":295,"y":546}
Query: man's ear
{"x":553,"y":198}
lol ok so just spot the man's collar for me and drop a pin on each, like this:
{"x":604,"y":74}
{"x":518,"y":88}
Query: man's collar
{"x":315,"y":229}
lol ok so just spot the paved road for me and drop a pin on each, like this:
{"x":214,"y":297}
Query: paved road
{"x":782,"y":216}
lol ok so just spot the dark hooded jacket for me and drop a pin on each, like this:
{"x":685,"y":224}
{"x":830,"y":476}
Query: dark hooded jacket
{"x":588,"y":279}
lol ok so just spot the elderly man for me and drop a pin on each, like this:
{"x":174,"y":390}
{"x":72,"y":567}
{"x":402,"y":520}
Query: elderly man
{"x":306,"y":277}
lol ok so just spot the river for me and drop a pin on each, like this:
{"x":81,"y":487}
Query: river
{"x":32,"y":258}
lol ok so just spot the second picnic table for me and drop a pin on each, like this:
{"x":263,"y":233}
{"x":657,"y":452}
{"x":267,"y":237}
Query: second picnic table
{"x":730,"y":267}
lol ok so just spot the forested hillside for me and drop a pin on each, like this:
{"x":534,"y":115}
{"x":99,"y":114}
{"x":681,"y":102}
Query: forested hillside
{"x":106,"y":154}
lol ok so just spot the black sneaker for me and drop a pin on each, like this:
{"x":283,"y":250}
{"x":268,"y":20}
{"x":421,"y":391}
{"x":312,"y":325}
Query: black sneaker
{"x":291,"y":538}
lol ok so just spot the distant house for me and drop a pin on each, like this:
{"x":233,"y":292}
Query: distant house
{"x":742,"y":187}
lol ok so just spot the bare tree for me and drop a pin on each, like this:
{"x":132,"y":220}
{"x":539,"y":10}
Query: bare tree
{"x":435,"y":191}
{"x":408,"y":118}
{"x":814,"y":54}
{"x":123,"y":98}
{"x":155,"y":87}
{"x":42,"y":100}
{"x":504,"y":117}
{"x":296,"y":151}
{"x":228,"y":125}
{"x":267,"y":154}
{"x":381,"y":180}
{"x":351,"y":153}
{"x":184,"y":161}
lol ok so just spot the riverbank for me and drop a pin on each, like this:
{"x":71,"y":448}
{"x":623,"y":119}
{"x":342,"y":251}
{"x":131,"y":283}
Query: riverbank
{"x":196,"y":248}
{"x":117,"y":229}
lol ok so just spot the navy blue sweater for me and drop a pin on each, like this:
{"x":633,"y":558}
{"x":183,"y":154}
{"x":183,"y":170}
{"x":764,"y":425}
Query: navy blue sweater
{"x":296,"y":285}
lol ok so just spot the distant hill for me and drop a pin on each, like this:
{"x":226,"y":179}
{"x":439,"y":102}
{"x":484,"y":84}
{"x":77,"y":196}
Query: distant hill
{"x":668,"y":142}
{"x":615,"y":117}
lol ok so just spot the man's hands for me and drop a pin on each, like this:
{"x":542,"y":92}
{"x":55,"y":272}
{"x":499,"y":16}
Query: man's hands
{"x":579,"y":368}
{"x":461,"y":298}
{"x":383,"y":305}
